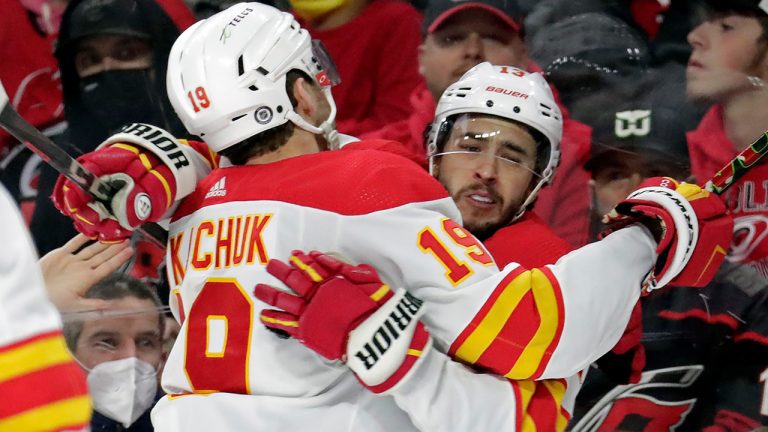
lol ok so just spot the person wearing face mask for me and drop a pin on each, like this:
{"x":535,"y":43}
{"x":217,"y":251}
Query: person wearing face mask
{"x":112,"y":55}
{"x":120,"y":348}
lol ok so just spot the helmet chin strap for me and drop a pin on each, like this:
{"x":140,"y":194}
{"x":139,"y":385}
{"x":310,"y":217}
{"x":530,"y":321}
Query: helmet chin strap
{"x":327,"y":128}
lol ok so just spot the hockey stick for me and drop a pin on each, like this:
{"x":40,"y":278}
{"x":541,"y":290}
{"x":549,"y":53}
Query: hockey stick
{"x":62,"y":162}
{"x":739,"y":166}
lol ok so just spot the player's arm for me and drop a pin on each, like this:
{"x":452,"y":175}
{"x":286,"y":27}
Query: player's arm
{"x":151,"y":172}
{"x":45,"y":388}
{"x":554,"y":321}
{"x":378,"y":335}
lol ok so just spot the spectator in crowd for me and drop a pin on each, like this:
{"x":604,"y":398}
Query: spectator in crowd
{"x":705,"y":350}
{"x":638,"y":132}
{"x":113,"y":56}
{"x":31,"y":80}
{"x":729,"y":67}
{"x":121,"y":348}
{"x":28,"y":30}
{"x":587,"y":53}
{"x":456,"y":37}
{"x":42,"y":387}
{"x":373,"y":43}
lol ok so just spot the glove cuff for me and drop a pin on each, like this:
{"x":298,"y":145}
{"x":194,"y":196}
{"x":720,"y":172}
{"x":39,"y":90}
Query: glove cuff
{"x":385,"y":347}
{"x":686,"y":230}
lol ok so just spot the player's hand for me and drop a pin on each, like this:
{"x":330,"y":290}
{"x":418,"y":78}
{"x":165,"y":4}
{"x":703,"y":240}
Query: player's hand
{"x":145,"y":189}
{"x":691,"y":225}
{"x":72,"y":269}
{"x":345,"y":312}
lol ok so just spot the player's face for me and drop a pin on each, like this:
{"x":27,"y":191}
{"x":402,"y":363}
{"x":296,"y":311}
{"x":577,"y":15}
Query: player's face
{"x":101,"y":53}
{"x":492,"y":175}
{"x":135,"y":333}
{"x":726,"y":49}
{"x":466,"y":39}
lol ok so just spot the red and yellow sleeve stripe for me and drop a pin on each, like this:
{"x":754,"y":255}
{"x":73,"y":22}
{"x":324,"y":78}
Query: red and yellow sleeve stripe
{"x":540,"y":405}
{"x":517,"y":329}
{"x":203,"y":150}
{"x":44,"y":390}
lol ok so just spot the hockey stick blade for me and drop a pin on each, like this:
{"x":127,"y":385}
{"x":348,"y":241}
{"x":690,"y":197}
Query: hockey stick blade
{"x":738,"y":166}
{"x":62,"y":162}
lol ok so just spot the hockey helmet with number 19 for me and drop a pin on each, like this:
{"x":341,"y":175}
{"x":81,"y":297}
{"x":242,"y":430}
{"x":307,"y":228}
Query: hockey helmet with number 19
{"x":227,"y":74}
{"x":509,"y":93}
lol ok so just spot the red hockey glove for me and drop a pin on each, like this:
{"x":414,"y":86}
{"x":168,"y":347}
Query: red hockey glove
{"x":694,"y":230}
{"x":145,"y":190}
{"x":144,"y":165}
{"x":345,"y":312}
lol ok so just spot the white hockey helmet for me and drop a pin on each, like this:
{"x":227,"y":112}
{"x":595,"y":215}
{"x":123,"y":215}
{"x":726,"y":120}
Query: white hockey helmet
{"x":509,"y":93}
{"x":226,"y":74}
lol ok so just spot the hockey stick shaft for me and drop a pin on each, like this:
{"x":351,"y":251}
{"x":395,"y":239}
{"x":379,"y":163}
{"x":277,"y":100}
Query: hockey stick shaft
{"x":739,"y":166}
{"x":62,"y":162}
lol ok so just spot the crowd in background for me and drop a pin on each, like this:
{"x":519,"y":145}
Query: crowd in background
{"x":646,"y":87}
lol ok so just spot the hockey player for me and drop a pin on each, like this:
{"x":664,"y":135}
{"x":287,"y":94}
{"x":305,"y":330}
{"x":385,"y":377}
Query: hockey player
{"x":494,"y":192}
{"x":249,"y":83}
{"x":43,"y":388}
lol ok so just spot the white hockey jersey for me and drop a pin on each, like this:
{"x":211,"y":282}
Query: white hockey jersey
{"x":41,"y":387}
{"x":378,"y":208}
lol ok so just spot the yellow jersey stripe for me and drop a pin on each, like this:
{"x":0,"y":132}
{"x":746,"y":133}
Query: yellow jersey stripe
{"x":32,"y":357}
{"x":557,"y":390}
{"x":70,"y":412}
{"x":527,"y":389}
{"x":546,"y":304}
{"x":492,"y":324}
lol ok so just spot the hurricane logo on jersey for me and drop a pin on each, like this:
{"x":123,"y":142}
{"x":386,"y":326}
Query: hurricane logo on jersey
{"x":645,"y":406}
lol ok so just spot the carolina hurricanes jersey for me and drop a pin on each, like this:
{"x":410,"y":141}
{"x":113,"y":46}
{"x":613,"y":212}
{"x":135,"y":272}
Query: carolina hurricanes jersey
{"x":710,"y":149}
{"x":706,"y":362}
{"x":42,"y":387}
{"x":375,"y":207}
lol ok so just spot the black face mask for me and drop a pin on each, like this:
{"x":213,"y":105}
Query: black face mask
{"x":112,"y":99}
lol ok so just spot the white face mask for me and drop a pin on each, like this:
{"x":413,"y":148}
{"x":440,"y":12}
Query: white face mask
{"x":123,"y":389}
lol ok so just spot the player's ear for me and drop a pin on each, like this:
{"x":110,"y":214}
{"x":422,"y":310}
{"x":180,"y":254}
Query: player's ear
{"x":306,"y":104}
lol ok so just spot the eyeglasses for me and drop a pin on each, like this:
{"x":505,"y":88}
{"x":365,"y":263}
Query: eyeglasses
{"x":469,"y":156}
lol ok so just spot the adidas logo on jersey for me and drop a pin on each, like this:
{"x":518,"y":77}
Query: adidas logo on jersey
{"x":218,"y":189}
